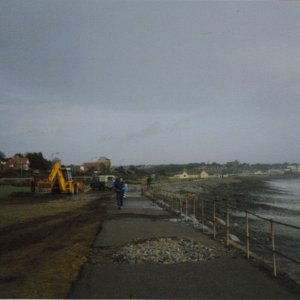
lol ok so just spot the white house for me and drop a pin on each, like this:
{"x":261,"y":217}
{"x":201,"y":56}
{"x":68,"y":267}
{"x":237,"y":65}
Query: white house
{"x":183,"y":175}
{"x":204,"y":175}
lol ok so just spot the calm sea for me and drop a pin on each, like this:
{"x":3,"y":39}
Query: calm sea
{"x":282,"y":203}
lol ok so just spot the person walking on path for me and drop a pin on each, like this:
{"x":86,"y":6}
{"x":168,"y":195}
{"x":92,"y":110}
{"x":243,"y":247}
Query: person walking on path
{"x":119,"y":190}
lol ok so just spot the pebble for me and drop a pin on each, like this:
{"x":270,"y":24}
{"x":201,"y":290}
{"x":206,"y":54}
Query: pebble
{"x":234,"y":238}
{"x":164,"y":251}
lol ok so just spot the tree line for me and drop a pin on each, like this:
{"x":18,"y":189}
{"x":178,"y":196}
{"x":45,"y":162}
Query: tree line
{"x":39,"y":162}
{"x":36,"y":159}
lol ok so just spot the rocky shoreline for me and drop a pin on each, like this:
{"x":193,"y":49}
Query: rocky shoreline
{"x":240,"y":194}
{"x":236,"y":192}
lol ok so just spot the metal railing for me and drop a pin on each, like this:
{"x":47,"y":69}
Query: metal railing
{"x":241,"y":229}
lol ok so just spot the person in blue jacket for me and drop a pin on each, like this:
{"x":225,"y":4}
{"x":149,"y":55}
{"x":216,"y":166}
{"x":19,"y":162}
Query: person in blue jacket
{"x":126,"y":190}
{"x":119,"y":190}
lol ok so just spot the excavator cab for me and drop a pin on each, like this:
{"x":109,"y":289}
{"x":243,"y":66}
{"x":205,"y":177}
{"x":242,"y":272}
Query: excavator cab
{"x":67,"y":174}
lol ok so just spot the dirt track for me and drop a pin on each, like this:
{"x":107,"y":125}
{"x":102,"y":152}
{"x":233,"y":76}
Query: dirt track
{"x":34,"y":252}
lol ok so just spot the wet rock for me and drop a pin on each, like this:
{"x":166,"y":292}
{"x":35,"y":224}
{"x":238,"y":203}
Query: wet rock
{"x":234,"y":238}
{"x":220,"y":221}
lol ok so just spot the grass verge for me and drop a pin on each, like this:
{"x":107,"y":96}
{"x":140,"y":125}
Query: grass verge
{"x":6,"y":190}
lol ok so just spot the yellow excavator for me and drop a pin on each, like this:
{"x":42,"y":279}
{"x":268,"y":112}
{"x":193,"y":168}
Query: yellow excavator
{"x":60,"y":181}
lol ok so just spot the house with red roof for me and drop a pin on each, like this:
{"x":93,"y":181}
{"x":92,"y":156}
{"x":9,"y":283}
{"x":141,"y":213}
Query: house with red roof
{"x":15,"y":163}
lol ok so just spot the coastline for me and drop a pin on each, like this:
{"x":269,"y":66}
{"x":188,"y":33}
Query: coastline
{"x":243,"y":194}
{"x":147,"y":274}
{"x":238,"y":191}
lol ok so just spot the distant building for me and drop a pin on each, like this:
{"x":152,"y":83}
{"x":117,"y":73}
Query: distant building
{"x":293,"y":168}
{"x":15,"y":163}
{"x":275,"y":172}
{"x":204,"y":175}
{"x":89,"y":166}
{"x":258,"y":173}
{"x":183,"y":175}
{"x":103,"y":164}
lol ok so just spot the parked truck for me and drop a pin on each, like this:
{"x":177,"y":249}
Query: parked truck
{"x":102,"y":182}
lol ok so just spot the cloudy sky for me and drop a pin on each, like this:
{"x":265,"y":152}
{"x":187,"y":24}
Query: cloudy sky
{"x":150,"y":82}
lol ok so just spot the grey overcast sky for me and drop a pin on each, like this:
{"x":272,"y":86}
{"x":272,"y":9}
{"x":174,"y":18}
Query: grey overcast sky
{"x":150,"y":82}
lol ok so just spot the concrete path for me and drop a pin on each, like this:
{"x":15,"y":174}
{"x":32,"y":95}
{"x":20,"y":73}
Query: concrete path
{"x":227,"y":277}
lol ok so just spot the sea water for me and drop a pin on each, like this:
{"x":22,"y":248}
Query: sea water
{"x":282,"y":204}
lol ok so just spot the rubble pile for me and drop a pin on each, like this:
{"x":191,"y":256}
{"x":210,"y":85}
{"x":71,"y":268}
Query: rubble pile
{"x":164,"y":251}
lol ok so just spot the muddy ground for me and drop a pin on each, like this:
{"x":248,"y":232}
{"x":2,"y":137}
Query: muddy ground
{"x":41,"y":256}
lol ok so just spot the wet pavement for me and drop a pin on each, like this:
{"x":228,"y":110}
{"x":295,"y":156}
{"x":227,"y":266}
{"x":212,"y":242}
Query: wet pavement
{"x":229,"y":276}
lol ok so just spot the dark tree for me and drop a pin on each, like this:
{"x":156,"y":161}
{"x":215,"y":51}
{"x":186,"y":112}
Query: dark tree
{"x":37,"y":161}
{"x":2,"y":155}
{"x":19,"y":155}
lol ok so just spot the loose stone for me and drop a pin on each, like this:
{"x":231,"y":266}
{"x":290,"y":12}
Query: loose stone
{"x":164,"y":251}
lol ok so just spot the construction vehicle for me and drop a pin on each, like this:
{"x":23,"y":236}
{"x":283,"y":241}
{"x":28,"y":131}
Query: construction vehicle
{"x":102,"y":182}
{"x":60,"y":181}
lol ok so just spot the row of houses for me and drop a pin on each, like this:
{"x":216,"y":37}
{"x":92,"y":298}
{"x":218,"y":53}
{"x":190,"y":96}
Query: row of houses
{"x":15,"y":163}
{"x":294,"y":169}
{"x":185,"y":175}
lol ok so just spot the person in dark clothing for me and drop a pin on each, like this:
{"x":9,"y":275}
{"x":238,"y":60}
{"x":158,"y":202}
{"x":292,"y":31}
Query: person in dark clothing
{"x":119,"y":190}
{"x":149,"y":179}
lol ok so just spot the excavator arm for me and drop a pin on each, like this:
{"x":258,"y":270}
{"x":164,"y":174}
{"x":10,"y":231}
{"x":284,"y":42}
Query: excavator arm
{"x":57,"y":174}
{"x":56,"y":167}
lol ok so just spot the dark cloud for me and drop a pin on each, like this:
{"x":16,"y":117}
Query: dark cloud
{"x":108,"y":69}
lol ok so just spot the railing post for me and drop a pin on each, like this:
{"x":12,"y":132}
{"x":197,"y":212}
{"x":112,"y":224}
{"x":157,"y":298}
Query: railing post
{"x":273,"y":248}
{"x":158,"y":196}
{"x":214,"y":219}
{"x":194,"y":198}
{"x":174,"y":203}
{"x":202,"y":213}
{"x":186,"y":208}
{"x":168,"y":200}
{"x":227,"y":228}
{"x":247,"y":235}
{"x":180,"y":206}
